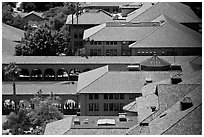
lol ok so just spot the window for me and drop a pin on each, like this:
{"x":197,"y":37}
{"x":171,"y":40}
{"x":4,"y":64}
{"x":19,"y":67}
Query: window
{"x":121,"y":96}
{"x":131,"y":96}
{"x":76,"y":43}
{"x":116,"y":96}
{"x":121,"y":106}
{"x":91,"y":42}
{"x":111,"y":43}
{"x":111,"y":107}
{"x":116,"y":107}
{"x":90,"y":96}
{"x":80,"y":35}
{"x":107,"y":43}
{"x":105,"y":96}
{"x":111,"y":52}
{"x":96,"y":96}
{"x":91,"y":107}
{"x":95,"y":42}
{"x":99,"y":43}
{"x":95,"y":52}
{"x":115,"y":43}
{"x":75,"y":35}
{"x":96,"y":107}
{"x":110,"y":96}
{"x":81,"y":43}
{"x":105,"y":106}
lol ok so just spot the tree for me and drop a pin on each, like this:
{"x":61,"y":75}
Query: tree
{"x":12,"y":72}
{"x":7,"y":13}
{"x":43,"y":42}
{"x":17,"y":123}
{"x":45,"y":110}
{"x":39,"y":6}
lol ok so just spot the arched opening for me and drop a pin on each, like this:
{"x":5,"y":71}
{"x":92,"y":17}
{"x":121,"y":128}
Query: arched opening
{"x":86,"y":69}
{"x":24,"y":104}
{"x":36,"y":74}
{"x":73,"y":74}
{"x":24,"y":74}
{"x":69,"y":107}
{"x":49,"y":74}
{"x":62,"y":74}
{"x":8,"y":107}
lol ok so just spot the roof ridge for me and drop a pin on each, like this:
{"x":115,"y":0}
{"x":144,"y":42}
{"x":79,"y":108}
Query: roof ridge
{"x":144,"y":11}
{"x":92,"y":82}
{"x":156,"y":28}
{"x":103,"y":26}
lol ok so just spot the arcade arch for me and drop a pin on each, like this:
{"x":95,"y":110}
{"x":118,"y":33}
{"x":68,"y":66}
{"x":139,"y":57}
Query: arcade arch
{"x":36,"y":74}
{"x":62,"y":74}
{"x":49,"y":74}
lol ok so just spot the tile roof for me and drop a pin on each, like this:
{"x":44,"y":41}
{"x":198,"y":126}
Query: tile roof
{"x":106,"y":60}
{"x":46,"y":87}
{"x":170,"y":34}
{"x":8,"y":47}
{"x":174,"y":114}
{"x":118,"y":31}
{"x":24,"y":14}
{"x":135,"y":13}
{"x":177,"y":11}
{"x":169,"y":95}
{"x":11,"y":33}
{"x":144,"y":105}
{"x":134,"y":5}
{"x":91,"y":17}
{"x":131,"y":107}
{"x":191,"y":124}
{"x":106,"y":4}
{"x":89,"y":77}
{"x":123,"y":82}
{"x":58,"y":127}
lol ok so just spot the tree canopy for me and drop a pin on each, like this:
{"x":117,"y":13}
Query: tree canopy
{"x":39,"y":6}
{"x":42,"y":41}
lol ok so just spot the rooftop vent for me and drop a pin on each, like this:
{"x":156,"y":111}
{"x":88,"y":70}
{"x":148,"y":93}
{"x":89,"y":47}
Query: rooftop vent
{"x":144,"y":124}
{"x":106,"y":122}
{"x":186,"y":103}
{"x":77,"y":121}
{"x":133,"y":67}
{"x":176,"y":79}
{"x":153,"y":108}
{"x":122,"y":118}
{"x":148,"y":80}
{"x":176,"y":67}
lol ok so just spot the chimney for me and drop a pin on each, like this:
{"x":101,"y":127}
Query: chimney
{"x":176,"y":79}
{"x":186,"y":103}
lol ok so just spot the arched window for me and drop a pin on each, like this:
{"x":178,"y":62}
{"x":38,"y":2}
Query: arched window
{"x":24,"y":74}
{"x":49,"y":74}
{"x":62,"y":74}
{"x":36,"y":74}
{"x":8,"y":106}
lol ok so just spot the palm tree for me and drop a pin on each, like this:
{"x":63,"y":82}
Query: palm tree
{"x":12,"y":72}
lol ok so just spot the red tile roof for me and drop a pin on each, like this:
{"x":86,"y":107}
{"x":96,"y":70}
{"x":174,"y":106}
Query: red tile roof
{"x":91,"y":17}
{"x":175,"y":10}
{"x":170,"y":34}
{"x":119,"y":31}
